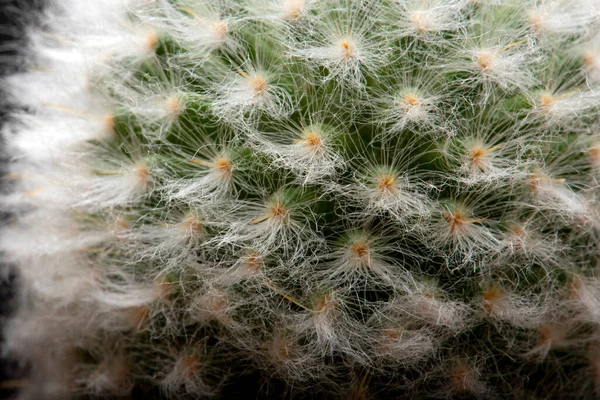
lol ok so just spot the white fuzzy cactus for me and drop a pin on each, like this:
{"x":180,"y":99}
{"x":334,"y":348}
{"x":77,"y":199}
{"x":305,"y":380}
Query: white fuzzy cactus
{"x":307,"y":198}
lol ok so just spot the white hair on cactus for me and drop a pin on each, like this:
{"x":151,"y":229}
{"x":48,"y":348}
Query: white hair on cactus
{"x":65,"y":233}
{"x":249,"y":93}
{"x":248,"y":86}
{"x":202,"y":27}
{"x":111,"y":375}
{"x":359,"y":258}
{"x":78,"y":183}
{"x":309,"y":151}
{"x":127,"y":182}
{"x":421,"y":19}
{"x":550,"y":193}
{"x":552,"y":336}
{"x":415,"y":103}
{"x":250,"y":265}
{"x":325,"y":325}
{"x":465,"y":378}
{"x":585,"y":295}
{"x":485,"y":151}
{"x":157,"y":104}
{"x":428,"y":305}
{"x":279,"y":222}
{"x":172,"y":240}
{"x":104,"y":34}
{"x":342,"y":42}
{"x":284,"y":353}
{"x":398,"y":345}
{"x":591,"y":58}
{"x":512,"y":308}
{"x":211,"y":171}
{"x":497,"y":59}
{"x":463,"y":234}
{"x":557,"y":17}
{"x":185,"y":372}
{"x":61,"y":74}
{"x":561,"y":107}
{"x":387,"y":188}
{"x":127,"y":294}
{"x":216,"y":305}
{"x":526,"y":239}
{"x":62,"y":134}
{"x":281,"y":12}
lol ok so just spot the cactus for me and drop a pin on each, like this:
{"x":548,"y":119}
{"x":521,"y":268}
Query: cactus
{"x":306,"y":198}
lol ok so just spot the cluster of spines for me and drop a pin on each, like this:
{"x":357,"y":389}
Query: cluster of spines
{"x":331,"y":192}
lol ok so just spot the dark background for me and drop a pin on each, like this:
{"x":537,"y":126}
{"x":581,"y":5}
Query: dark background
{"x":15,"y":15}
